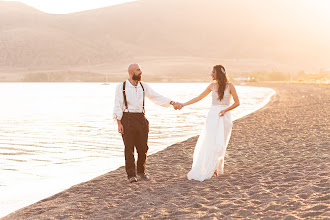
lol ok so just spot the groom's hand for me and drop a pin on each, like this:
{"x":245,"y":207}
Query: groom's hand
{"x":120,"y":127}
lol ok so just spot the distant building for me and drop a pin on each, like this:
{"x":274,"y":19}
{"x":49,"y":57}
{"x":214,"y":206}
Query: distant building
{"x":325,"y":71}
{"x":244,"y":79}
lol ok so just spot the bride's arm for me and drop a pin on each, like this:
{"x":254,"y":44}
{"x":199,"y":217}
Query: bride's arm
{"x":200,"y":97}
{"x":235,"y":97}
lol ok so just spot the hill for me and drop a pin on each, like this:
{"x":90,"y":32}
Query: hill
{"x":169,"y":38}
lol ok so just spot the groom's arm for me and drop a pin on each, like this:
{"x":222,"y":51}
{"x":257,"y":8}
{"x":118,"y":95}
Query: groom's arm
{"x":119,"y":103}
{"x":157,"y":98}
{"x":118,"y":107}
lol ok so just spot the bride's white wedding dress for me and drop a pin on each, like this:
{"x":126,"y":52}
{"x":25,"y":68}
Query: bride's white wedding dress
{"x":212,"y":143}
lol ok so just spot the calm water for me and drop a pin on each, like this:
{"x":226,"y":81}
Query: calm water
{"x":55,"y":135}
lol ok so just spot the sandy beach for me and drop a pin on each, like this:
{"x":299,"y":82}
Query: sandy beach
{"x":277,"y":167}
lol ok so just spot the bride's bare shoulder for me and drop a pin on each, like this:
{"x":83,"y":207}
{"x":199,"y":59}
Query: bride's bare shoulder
{"x":211,"y":86}
{"x":231,"y":87}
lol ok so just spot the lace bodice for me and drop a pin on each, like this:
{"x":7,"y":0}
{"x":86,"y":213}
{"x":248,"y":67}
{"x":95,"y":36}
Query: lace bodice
{"x":215,"y":97}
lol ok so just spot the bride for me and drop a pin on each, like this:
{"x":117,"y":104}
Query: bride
{"x":211,"y":146}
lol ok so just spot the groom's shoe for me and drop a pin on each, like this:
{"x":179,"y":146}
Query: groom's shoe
{"x":132,"y":179}
{"x":143,"y":176}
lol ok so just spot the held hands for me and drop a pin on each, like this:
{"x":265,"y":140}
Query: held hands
{"x":177,"y":106}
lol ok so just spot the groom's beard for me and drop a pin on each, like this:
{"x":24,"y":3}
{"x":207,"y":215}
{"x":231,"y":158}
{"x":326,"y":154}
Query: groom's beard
{"x":137,"y":77}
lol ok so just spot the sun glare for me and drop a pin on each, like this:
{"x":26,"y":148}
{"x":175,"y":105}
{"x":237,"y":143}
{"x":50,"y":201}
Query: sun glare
{"x":69,"y":6}
{"x":318,"y":9}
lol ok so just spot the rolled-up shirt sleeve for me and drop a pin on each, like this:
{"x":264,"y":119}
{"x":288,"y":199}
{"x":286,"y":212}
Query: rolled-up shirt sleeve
{"x":119,"y":103}
{"x":155,"y":97}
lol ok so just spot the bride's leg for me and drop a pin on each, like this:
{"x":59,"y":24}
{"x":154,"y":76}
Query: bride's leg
{"x":220,"y":168}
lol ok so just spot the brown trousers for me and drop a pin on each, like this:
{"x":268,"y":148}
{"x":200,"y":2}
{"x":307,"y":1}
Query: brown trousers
{"x":136,"y":129}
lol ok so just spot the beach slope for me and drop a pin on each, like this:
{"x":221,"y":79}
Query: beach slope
{"x":277,"y":167}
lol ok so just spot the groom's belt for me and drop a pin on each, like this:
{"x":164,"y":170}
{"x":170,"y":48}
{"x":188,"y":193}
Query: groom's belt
{"x":133,"y":113}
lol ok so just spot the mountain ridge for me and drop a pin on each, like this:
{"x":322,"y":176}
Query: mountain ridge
{"x":105,"y":40}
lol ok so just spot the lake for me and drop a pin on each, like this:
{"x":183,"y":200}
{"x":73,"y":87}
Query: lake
{"x":55,"y":135}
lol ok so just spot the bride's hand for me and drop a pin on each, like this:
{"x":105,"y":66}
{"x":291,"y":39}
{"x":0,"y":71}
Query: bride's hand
{"x":222,"y":113}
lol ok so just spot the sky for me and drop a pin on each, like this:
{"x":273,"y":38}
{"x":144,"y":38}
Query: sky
{"x":69,"y":6}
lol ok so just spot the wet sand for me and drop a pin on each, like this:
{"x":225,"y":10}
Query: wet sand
{"x":277,"y":167}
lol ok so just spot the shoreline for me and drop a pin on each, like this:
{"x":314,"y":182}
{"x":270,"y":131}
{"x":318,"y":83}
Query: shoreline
{"x":170,"y":195}
{"x":15,"y":199}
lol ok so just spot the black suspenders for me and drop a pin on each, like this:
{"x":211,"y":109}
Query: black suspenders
{"x":124,"y":94}
{"x":143,"y":97}
{"x":125,"y":100}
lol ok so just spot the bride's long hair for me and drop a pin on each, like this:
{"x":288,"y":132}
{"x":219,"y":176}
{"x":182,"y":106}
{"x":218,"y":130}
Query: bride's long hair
{"x":222,"y":80}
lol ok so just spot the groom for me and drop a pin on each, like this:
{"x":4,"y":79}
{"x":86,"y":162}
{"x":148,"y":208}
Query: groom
{"x":132,"y":124}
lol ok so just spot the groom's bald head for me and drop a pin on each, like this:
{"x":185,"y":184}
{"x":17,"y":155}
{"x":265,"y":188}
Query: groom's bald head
{"x":134,"y":71}
{"x":132,"y":67}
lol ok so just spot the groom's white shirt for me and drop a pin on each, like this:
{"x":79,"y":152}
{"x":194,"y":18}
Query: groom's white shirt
{"x":134,"y":97}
